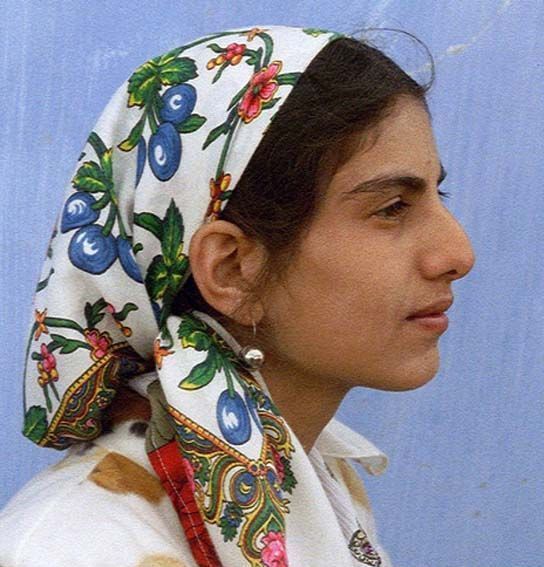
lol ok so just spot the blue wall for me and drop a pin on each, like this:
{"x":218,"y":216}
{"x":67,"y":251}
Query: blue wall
{"x":465,"y":486}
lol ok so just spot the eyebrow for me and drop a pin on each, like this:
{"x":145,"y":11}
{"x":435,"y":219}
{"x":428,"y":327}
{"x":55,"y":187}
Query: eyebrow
{"x":384,"y":183}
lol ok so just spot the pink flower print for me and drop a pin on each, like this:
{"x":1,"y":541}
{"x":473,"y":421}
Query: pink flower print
{"x":47,"y":367}
{"x":235,"y":52}
{"x":90,"y":423}
{"x":100,"y":343}
{"x":274,"y":554}
{"x":262,"y":87}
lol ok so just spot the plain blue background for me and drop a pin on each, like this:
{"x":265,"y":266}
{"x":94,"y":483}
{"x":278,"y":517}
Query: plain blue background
{"x":465,"y":486}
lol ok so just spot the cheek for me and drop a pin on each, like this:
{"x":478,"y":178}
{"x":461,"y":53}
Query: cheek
{"x":343,"y":281}
{"x":336,"y":289}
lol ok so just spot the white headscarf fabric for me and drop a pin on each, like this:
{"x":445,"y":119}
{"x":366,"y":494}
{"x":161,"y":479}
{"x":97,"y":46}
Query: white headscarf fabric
{"x":164,"y":158}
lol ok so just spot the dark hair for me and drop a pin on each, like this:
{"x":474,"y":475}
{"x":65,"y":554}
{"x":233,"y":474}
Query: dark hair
{"x":348,"y":88}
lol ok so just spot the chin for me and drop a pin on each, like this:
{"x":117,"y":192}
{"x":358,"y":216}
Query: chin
{"x":409,"y":380}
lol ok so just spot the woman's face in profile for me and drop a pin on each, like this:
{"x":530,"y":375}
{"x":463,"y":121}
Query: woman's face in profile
{"x":370,"y":260}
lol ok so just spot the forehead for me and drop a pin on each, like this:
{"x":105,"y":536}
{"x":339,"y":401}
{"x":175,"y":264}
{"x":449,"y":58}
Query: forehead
{"x":402,"y":141}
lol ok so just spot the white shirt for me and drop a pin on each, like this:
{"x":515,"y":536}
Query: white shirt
{"x":103,"y":505}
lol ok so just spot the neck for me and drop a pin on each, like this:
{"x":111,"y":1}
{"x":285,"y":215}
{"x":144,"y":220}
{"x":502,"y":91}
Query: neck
{"x":307,"y":403}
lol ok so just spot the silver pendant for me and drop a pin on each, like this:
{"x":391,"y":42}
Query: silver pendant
{"x":362,"y":550}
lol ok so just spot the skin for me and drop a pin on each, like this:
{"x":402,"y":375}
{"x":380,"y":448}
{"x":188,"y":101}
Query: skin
{"x":338,"y":318}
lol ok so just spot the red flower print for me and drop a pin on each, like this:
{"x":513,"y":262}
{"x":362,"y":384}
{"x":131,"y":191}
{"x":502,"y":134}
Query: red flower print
{"x":100,"y":343}
{"x":233,"y":54}
{"x":47,"y":367}
{"x":159,"y":353}
{"x":274,"y":554}
{"x":262,"y":87}
{"x":217,"y":186}
{"x":40,"y":324}
{"x":280,"y":469}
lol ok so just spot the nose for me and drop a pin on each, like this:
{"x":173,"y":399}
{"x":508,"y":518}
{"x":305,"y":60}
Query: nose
{"x":448,"y":251}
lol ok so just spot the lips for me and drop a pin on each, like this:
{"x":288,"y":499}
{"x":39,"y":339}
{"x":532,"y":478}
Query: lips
{"x":436,"y":308}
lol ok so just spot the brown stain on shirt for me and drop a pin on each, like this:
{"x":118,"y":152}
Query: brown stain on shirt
{"x":120,"y":475}
{"x":91,"y":454}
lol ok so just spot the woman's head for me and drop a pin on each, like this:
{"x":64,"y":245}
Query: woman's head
{"x":316,"y":269}
{"x":323,"y":278}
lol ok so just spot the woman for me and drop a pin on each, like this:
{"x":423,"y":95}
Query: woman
{"x":276,"y":178}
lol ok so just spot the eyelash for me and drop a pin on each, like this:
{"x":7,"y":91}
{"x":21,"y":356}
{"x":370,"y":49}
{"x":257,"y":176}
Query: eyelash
{"x":399,"y":206}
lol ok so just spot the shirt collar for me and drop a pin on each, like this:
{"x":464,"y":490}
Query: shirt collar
{"x":338,"y":440}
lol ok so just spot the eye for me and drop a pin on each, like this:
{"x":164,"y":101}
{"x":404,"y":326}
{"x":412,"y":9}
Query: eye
{"x":396,"y":209}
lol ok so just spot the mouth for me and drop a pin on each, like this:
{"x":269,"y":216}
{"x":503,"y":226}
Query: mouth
{"x":431,"y":321}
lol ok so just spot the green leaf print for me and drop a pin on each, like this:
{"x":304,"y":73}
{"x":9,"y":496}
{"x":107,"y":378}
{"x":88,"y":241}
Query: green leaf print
{"x":97,"y":144}
{"x":156,"y":279}
{"x":315,"y":32}
{"x":220,"y":72}
{"x":201,"y":374}
{"x":143,"y":83}
{"x":254,"y":57}
{"x":123,"y":314}
{"x":105,"y":162}
{"x":35,"y":425}
{"x":164,"y":281}
{"x":94,"y":313}
{"x":288,"y":78}
{"x":149,"y":222}
{"x":178,"y":71}
{"x":216,"y":48}
{"x":215,"y":133}
{"x":192,"y":333}
{"x":289,"y":481}
{"x":146,"y":81}
{"x":268,"y":47}
{"x":167,"y":57}
{"x":172,"y":236}
{"x":191,"y":124}
{"x":134,"y":137}
{"x":91,"y":179}
{"x":230,"y":520}
{"x":45,"y":282}
{"x":66,"y":345}
{"x":271,"y":103}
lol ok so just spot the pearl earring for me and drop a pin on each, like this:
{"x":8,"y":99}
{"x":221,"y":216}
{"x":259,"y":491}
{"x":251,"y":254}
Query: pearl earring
{"x":252,"y":356}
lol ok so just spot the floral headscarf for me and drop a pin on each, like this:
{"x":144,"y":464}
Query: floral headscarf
{"x":164,"y":158}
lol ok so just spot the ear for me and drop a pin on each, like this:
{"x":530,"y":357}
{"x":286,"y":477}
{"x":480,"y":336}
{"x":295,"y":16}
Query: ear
{"x":224,"y":263}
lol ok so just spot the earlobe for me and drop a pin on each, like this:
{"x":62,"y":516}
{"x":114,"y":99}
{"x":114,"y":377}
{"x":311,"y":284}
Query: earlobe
{"x":224,"y":263}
